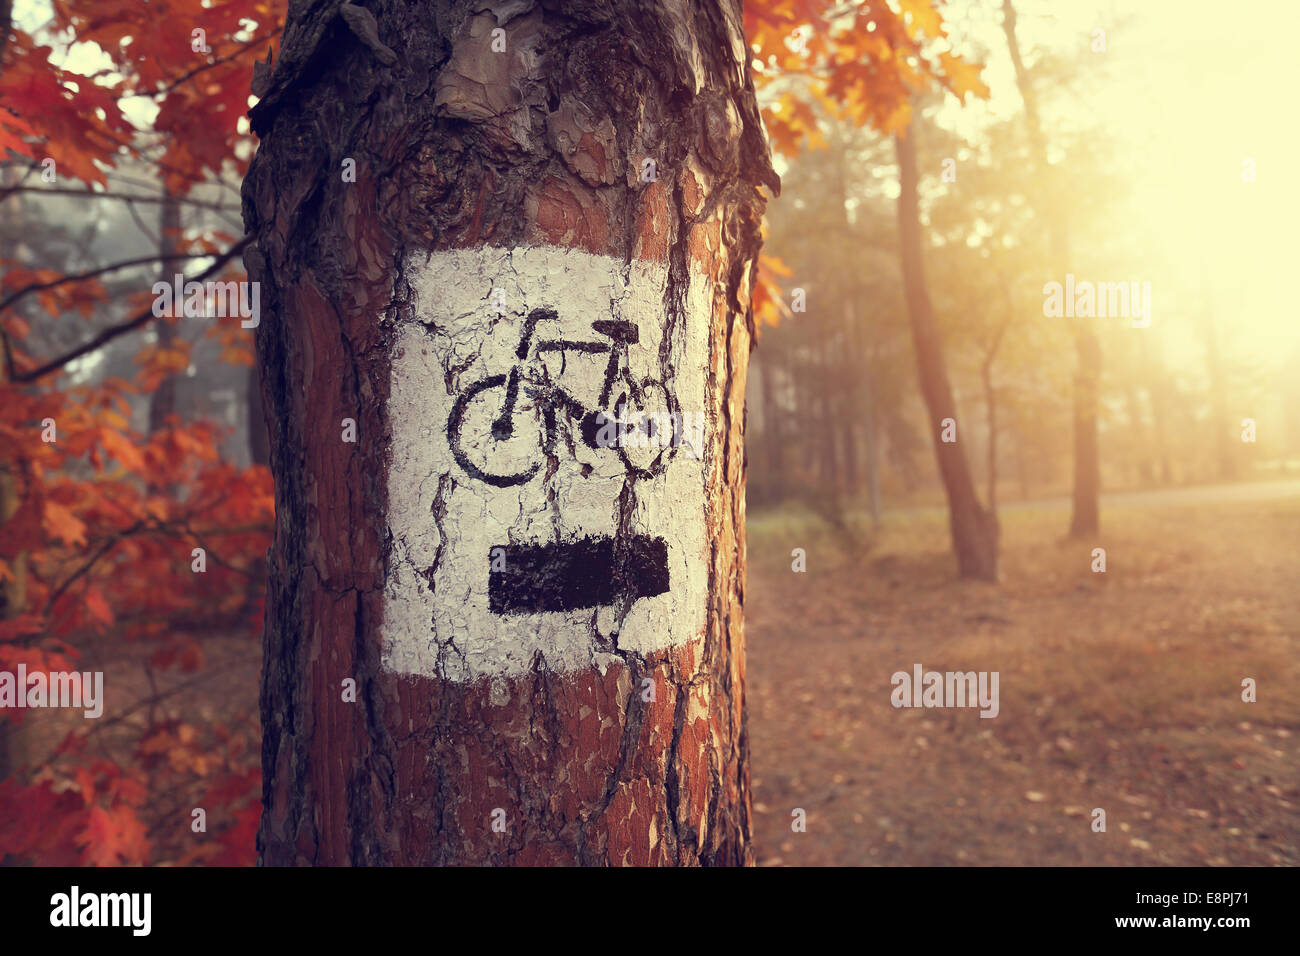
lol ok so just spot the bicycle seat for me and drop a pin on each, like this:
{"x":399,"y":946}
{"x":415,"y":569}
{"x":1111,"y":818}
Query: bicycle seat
{"x":619,"y":330}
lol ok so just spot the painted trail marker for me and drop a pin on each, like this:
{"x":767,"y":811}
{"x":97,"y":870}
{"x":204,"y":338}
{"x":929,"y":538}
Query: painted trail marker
{"x":571,"y":576}
{"x":534,"y":415}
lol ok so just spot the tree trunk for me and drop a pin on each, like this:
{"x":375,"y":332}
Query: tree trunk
{"x":13,"y":602}
{"x":862,"y":412}
{"x":1221,"y":425}
{"x":259,"y":439}
{"x":846,"y":347}
{"x":974,"y":530}
{"x":991,"y":404}
{"x":826,"y":425}
{"x":773,"y":429}
{"x":1162,"y":395}
{"x":869,"y":419}
{"x":473,"y":233}
{"x":15,"y":485}
{"x":1085,"y":514}
{"x":6,"y":19}
{"x":1022,"y":467}
{"x":162,"y":404}
{"x":1138,"y":432}
{"x":849,"y":446}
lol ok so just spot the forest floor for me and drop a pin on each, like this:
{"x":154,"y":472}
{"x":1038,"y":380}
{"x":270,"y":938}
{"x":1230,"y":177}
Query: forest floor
{"x":1120,"y":690}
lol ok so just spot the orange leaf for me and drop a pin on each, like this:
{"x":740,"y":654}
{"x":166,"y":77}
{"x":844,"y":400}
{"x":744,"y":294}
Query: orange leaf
{"x":113,"y":837}
{"x":117,"y":445}
{"x":964,"y":77}
{"x":61,"y":523}
{"x":98,"y":608}
{"x":924,"y":18}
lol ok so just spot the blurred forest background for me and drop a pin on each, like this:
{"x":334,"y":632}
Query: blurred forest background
{"x":941,"y":163}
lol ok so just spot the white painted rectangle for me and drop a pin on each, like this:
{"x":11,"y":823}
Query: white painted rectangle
{"x":456,"y":489}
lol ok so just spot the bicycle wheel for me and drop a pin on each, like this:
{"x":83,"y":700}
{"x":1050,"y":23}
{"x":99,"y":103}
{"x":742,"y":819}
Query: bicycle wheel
{"x":486,"y":451}
{"x":650,"y":429}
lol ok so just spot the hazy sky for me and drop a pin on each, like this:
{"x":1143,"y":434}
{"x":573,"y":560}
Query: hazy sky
{"x":1187,"y":90}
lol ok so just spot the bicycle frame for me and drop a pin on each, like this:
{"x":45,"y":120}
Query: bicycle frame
{"x":621,"y":334}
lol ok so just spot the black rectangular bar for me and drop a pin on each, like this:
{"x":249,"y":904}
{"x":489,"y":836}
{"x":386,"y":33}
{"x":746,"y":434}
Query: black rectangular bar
{"x":571,"y":575}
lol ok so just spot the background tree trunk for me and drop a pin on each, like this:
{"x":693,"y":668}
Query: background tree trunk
{"x":1085,"y":513}
{"x":1222,"y":426}
{"x":1022,"y":466}
{"x":162,"y":404}
{"x":13,"y":601}
{"x":6,"y":19}
{"x":991,"y":405}
{"x":14,"y":487}
{"x":458,"y":146}
{"x":974,"y":530}
{"x":773,"y":425}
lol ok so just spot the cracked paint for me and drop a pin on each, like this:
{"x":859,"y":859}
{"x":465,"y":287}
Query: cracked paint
{"x":446,"y":516}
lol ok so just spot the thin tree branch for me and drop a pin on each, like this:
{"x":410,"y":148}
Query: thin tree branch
{"x":154,"y":699}
{"x":95,"y":273}
{"x":88,"y":194}
{"x":103,"y":338}
{"x":94,"y":559}
{"x":210,"y":64}
{"x":145,"y":230}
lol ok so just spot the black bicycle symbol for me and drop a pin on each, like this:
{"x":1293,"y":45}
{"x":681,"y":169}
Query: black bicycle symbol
{"x":481,"y":428}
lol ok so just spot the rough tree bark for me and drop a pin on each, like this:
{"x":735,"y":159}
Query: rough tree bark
{"x":498,"y":131}
{"x":974,"y":530}
{"x":259,"y":440}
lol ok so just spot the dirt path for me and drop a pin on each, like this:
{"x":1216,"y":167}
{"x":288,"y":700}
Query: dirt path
{"x":1119,"y":690}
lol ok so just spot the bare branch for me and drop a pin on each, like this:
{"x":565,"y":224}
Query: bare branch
{"x":211,"y":63}
{"x":95,"y":273}
{"x":103,"y":338}
{"x":88,"y":194}
{"x":145,"y":230}
{"x":94,"y":559}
